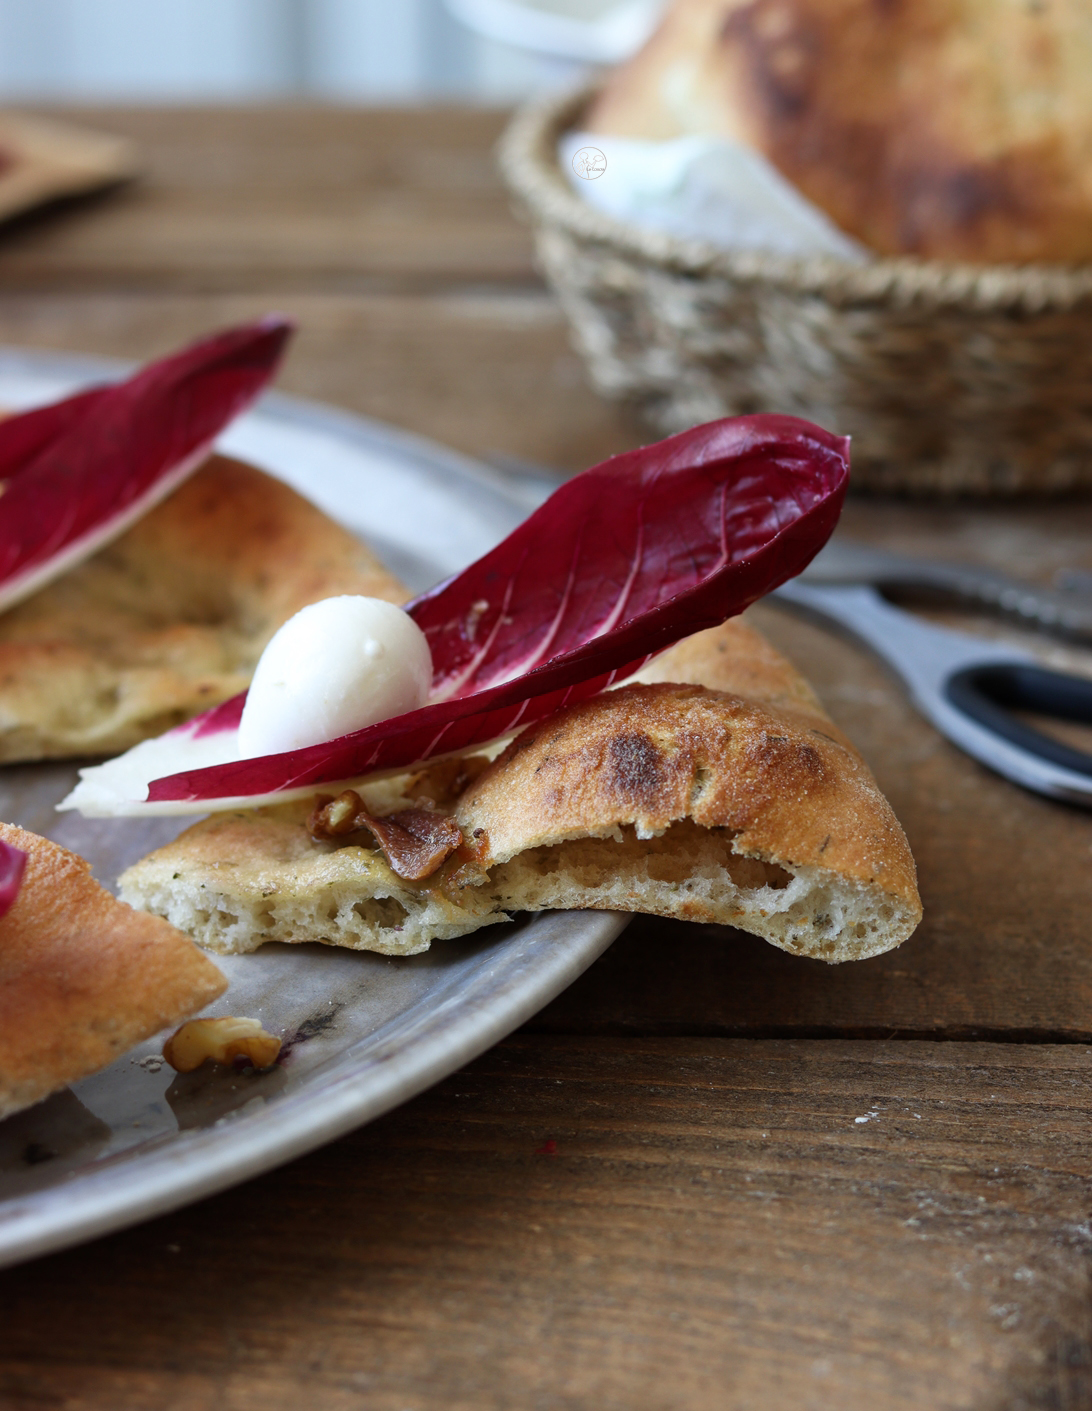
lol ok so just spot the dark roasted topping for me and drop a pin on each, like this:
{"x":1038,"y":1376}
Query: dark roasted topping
{"x":415,"y":841}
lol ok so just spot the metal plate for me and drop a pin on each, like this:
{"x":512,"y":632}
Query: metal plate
{"x":365,"y":1032}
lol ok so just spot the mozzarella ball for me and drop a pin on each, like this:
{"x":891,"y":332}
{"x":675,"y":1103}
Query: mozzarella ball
{"x":335,"y":667}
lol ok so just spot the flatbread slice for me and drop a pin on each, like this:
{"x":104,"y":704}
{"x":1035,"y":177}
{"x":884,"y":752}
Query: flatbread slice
{"x":83,"y":977}
{"x":172,"y":617}
{"x":716,"y":789}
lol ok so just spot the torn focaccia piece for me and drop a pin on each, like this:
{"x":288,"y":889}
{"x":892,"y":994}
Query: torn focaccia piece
{"x":83,"y":977}
{"x":170,"y":618}
{"x":715,"y":789}
{"x":686,"y":802}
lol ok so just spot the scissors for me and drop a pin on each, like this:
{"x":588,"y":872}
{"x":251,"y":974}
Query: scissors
{"x":968,"y":687}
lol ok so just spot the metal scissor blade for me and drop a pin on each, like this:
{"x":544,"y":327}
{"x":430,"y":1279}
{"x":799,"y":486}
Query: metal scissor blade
{"x":1066,"y":615}
{"x":927,"y":658}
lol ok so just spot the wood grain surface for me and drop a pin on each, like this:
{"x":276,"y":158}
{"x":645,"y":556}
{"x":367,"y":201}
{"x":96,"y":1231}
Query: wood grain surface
{"x":708,"y":1175}
{"x":280,"y":199}
{"x":618,"y":1224}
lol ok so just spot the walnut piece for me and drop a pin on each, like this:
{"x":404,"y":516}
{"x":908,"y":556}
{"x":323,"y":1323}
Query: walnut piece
{"x":232,"y":1041}
{"x":337,"y":818}
{"x":415,"y":841}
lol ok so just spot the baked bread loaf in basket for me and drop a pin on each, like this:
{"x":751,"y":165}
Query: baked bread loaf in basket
{"x":952,"y":376}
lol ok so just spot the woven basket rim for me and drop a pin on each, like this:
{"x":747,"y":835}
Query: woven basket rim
{"x":528,"y":159}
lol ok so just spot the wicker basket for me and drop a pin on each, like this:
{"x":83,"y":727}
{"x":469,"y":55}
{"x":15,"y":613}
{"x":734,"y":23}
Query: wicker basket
{"x":952,"y":379}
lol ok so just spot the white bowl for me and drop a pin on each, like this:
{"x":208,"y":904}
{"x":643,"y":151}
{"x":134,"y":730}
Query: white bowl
{"x":591,"y":31}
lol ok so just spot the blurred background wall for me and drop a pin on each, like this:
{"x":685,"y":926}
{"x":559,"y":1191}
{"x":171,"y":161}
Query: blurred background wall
{"x":247,"y":50}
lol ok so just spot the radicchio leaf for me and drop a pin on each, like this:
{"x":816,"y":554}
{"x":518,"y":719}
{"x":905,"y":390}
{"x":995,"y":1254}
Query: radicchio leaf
{"x":26,"y":435}
{"x":617,"y":565}
{"x":78,"y":473}
{"x":13,"y":862}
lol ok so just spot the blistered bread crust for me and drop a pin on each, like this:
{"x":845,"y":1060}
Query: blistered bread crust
{"x":82,"y":976}
{"x":642,"y":765}
{"x":952,"y":129}
{"x":172,"y":617}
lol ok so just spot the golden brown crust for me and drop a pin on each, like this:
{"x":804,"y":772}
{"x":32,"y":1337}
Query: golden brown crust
{"x":172,"y":617}
{"x":647,"y":756}
{"x":83,"y":977}
{"x":954,"y":129}
{"x":679,"y":799}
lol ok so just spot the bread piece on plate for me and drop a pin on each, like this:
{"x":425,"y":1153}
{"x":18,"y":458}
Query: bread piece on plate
{"x":83,"y":977}
{"x":716,"y":789}
{"x":953,"y":129}
{"x":696,"y":804}
{"x":172,"y":617}
{"x":237,"y":880}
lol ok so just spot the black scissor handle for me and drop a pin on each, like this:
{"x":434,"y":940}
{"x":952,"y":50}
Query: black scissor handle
{"x":989,"y":695}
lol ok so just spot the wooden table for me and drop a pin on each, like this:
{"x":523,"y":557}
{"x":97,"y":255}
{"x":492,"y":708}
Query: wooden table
{"x":709,"y":1175}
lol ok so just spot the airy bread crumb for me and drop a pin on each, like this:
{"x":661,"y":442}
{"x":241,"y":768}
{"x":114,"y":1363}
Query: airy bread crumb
{"x":237,"y":880}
